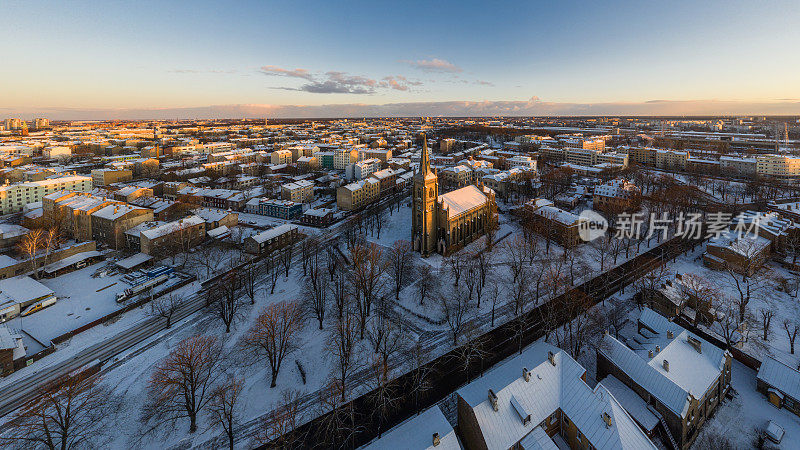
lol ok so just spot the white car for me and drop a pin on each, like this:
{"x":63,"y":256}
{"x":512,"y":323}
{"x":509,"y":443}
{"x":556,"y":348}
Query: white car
{"x":774,"y":432}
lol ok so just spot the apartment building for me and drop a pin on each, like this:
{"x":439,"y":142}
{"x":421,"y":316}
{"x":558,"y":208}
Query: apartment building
{"x":541,"y":399}
{"x":552,"y":222}
{"x":615,"y":196}
{"x":110,"y":223}
{"x":357,"y":195}
{"x":778,"y":165}
{"x":780,"y":384}
{"x":742,"y":254}
{"x":362,"y":169}
{"x":282,"y":209}
{"x":679,"y":375}
{"x":177,"y":236}
{"x":13,"y":197}
{"x":738,"y":165}
{"x":281,"y":157}
{"x":343,"y":157}
{"x":104,"y":177}
{"x":455,"y":177}
{"x":301,"y":191}
{"x":272,"y":239}
{"x":521,"y":161}
{"x":671,"y":159}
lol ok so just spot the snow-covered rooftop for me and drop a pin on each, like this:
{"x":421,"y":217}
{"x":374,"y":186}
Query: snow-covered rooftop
{"x":462,"y":200}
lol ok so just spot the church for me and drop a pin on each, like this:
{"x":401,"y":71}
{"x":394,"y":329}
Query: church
{"x":446,"y":223}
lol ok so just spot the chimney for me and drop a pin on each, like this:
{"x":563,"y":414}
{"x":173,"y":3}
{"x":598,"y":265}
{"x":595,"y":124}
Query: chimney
{"x":436,"y":439}
{"x":650,"y":354}
{"x":493,"y":399}
{"x":666,"y":365}
{"x":669,"y":334}
{"x":694,"y":342}
{"x":525,"y":374}
{"x":607,"y":419}
{"x":658,"y":348}
{"x":551,"y":357}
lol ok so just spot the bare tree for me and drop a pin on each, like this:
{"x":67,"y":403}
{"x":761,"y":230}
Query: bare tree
{"x":454,"y":307}
{"x":515,"y":256}
{"x":792,"y":329}
{"x":181,"y":384}
{"x":226,"y":300}
{"x":386,"y":336}
{"x":341,"y":292}
{"x":275,"y":334}
{"x":225,"y":407}
{"x":367,"y":272}
{"x":399,"y":263}
{"x":766,"y":320}
{"x":728,"y":323}
{"x":286,"y":258}
{"x":425,"y":285}
{"x":341,"y":344}
{"x":164,"y":307}
{"x":315,"y":291}
{"x":249,"y":282}
{"x":483,"y":272}
{"x":384,"y":395}
{"x":273,"y":270}
{"x":473,"y":349}
{"x":309,"y":248}
{"x":29,"y":246}
{"x":494,"y":296}
{"x":277,"y":427}
{"x":617,"y":316}
{"x":420,"y":373}
{"x":66,"y":413}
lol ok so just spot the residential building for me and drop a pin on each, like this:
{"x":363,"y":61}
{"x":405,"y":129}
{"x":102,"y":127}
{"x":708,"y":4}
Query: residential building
{"x":362,"y":169}
{"x":738,"y":165}
{"x":282,"y":209}
{"x":671,"y":159}
{"x":680,"y":375}
{"x":780,"y":384}
{"x":272,"y":239}
{"x":540,"y":399}
{"x":104,"y":177}
{"x":778,"y":165}
{"x":357,"y":195}
{"x":301,"y":191}
{"x":616,"y":196}
{"x":110,"y":223}
{"x":552,"y":222}
{"x":215,"y":218}
{"x":173,"y":237}
{"x":281,"y":157}
{"x":428,"y":430}
{"x":319,"y":217}
{"x":742,"y":254}
{"x":13,"y":197}
{"x":343,"y":157}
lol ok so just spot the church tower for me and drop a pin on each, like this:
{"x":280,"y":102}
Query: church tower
{"x":426,"y":191}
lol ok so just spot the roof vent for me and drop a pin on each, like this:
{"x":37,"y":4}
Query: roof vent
{"x":436,"y":439}
{"x":696,"y":343}
{"x":493,"y":399}
{"x":524,"y":415}
{"x":666,"y":366}
{"x":551,"y":357}
{"x":525,"y":374}
{"x":607,"y":419}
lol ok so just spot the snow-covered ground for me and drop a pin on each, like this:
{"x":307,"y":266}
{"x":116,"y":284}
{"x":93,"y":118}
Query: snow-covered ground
{"x":81,"y":299}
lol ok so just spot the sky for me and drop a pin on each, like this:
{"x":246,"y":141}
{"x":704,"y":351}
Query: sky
{"x":185,"y":59}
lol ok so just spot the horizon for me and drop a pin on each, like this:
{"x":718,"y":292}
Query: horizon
{"x":98,"y":61}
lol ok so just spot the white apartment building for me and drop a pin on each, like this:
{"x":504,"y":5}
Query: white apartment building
{"x":215,"y":147}
{"x":521,"y":161}
{"x":13,"y":197}
{"x":343,"y":157}
{"x":778,"y":165}
{"x":281,"y":157}
{"x":362,"y":169}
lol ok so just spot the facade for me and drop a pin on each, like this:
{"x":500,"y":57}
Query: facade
{"x":282,"y":209}
{"x":778,"y":165}
{"x":272,"y":239}
{"x":358,"y":195}
{"x":173,"y":237}
{"x":671,"y":159}
{"x":738,"y":165}
{"x":13,"y":197}
{"x":362,"y":169}
{"x":301,"y":191}
{"x":281,"y":157}
{"x":538,"y":398}
{"x":110,"y":223}
{"x":445,"y":223}
{"x":743,"y":254}
{"x":103,"y":177}
{"x":320,"y":217}
{"x":343,"y":157}
{"x":681,"y":376}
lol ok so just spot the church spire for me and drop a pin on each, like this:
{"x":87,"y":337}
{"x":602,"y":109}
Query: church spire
{"x":424,"y":163}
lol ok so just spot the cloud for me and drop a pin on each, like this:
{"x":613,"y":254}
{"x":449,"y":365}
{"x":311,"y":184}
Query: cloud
{"x":483,"y":83}
{"x":434,"y":65}
{"x":277,"y":71}
{"x":200,"y":71}
{"x":531,"y":107}
{"x":334,"y":82}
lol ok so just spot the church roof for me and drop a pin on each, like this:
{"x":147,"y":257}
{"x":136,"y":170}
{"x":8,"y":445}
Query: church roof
{"x":462,"y":200}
